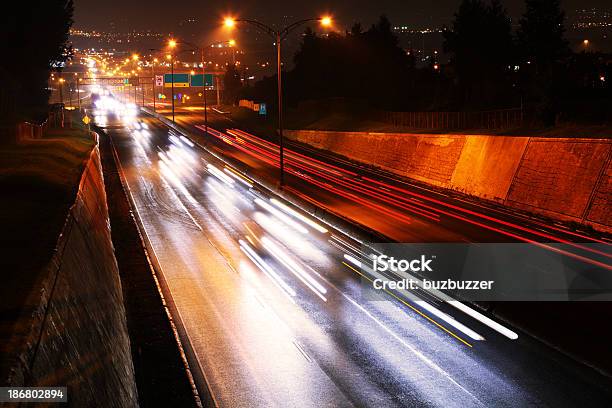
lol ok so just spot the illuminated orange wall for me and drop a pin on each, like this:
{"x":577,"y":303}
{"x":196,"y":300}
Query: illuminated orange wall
{"x":569,"y":179}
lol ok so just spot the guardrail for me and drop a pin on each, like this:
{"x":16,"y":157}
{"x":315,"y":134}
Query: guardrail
{"x":494,"y":119}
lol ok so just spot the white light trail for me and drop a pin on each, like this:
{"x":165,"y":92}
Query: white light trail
{"x":265,"y":268}
{"x":280,"y":215}
{"x":219,"y":174}
{"x":294,"y":268}
{"x":297,"y":215}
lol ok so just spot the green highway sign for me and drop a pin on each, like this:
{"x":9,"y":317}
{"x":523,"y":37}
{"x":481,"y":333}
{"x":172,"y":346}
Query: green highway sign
{"x":196,"y":80}
{"x":180,"y":80}
{"x":131,"y":81}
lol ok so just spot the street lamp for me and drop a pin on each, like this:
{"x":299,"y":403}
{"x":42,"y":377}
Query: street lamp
{"x":78,"y":92}
{"x":61,"y":86}
{"x":153,"y":76}
{"x":279,"y":36}
{"x":172,"y":45}
{"x":232,"y":44}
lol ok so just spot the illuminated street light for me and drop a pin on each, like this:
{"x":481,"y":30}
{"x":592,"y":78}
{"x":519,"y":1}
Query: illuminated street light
{"x":232,"y":43}
{"x":279,"y":36}
{"x":172,"y":45}
{"x":135,"y":57}
{"x":61,"y":89}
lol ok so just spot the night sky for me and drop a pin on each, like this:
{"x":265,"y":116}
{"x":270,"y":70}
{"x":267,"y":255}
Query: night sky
{"x":164,"y":15}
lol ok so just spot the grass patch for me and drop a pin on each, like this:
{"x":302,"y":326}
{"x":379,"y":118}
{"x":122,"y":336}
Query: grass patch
{"x":38,"y":180}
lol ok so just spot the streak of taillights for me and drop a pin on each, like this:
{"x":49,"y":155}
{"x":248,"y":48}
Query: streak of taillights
{"x":365,"y":190}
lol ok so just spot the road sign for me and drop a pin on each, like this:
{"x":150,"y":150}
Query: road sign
{"x":86,"y":120}
{"x":159,"y":80}
{"x":262,"y":109}
{"x":196,"y":80}
{"x":180,"y":80}
{"x":102,"y":81}
{"x":134,"y":81}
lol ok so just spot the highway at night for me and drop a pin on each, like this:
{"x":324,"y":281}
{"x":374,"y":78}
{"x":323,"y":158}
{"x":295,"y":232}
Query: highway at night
{"x":269,"y":298}
{"x":295,"y":204}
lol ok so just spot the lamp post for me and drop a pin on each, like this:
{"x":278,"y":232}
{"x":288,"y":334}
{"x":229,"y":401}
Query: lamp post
{"x":61,"y":86}
{"x":232,"y":44}
{"x":79,"y":92}
{"x":172,"y":45}
{"x":70,"y":94}
{"x":154,"y":79}
{"x":279,"y":36}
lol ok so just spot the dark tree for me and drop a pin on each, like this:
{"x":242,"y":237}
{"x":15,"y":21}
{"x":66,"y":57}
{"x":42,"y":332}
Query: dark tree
{"x":541,"y":32}
{"x":481,"y":48}
{"x":232,"y":84}
{"x":542,"y":48}
{"x":367,"y":65}
{"x":34,"y":39}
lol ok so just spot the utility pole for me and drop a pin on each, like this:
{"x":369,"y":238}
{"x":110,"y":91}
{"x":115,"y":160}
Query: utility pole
{"x":154,"y":84}
{"x":172,"y":76}
{"x":79,"y":93}
{"x":280,"y":108}
{"x":218,"y":91}
{"x":204,"y":92}
{"x":278,"y":36}
{"x":61,"y":86}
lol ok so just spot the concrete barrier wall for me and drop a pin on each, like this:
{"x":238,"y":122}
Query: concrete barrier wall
{"x":425,"y":157}
{"x":568,"y":179}
{"x":487,"y":166}
{"x":76,"y":327}
{"x":600,"y":210}
{"x":559,"y":175}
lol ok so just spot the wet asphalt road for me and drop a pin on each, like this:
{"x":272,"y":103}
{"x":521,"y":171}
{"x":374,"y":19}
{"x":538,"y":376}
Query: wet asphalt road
{"x":276,"y":316}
